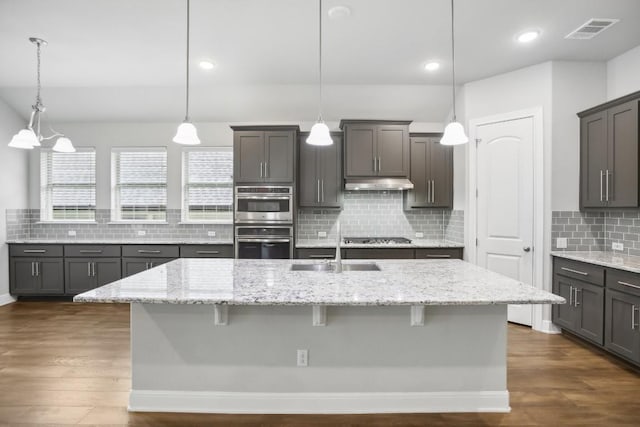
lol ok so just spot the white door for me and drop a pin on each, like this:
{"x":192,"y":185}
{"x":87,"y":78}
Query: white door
{"x":505,"y":203}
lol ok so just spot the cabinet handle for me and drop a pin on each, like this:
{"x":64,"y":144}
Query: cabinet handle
{"x":428,"y":191}
{"x":437,"y":256}
{"x":433,"y":191}
{"x":322,"y":187}
{"x":90,"y":251}
{"x":317,"y":190}
{"x":93,"y":267}
{"x":33,"y":268}
{"x":607,"y":186}
{"x":374,"y":165}
{"x":261,"y":170}
{"x":570,"y":270}
{"x":633,"y":317}
{"x":37,"y":268}
{"x":266,"y":168}
{"x":34,"y":251}
{"x":321,"y":256}
{"x":628,"y":284}
{"x":379,"y":163}
{"x":601,"y":192}
{"x":570,"y":295}
{"x":208,"y":252}
{"x":575,"y":298}
{"x":146,"y":265}
{"x":145,"y":251}
{"x":89,"y":269}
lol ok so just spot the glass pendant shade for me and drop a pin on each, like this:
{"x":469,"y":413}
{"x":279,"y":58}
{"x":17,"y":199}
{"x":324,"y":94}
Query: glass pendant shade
{"x":64,"y":145}
{"x":319,"y":135}
{"x":454,"y":135}
{"x":25,"y":139}
{"x":187,"y":134}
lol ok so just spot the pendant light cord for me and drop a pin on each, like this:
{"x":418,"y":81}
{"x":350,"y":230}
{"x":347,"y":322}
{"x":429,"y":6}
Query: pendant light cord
{"x":38,"y":105}
{"x":320,"y":58}
{"x":186,"y":117}
{"x":453,"y":66}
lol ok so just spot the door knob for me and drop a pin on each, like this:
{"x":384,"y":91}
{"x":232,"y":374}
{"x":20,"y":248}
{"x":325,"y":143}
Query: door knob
{"x":527,"y":248}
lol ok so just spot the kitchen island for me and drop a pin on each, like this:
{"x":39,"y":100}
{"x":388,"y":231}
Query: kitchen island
{"x":252,"y":336}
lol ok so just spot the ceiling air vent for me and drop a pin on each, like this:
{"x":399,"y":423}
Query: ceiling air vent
{"x":591,"y":28}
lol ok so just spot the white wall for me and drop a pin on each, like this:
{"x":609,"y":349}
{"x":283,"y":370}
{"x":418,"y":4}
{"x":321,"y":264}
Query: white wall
{"x":14,"y":176}
{"x":104,"y":136}
{"x":623,"y":74}
{"x":576,"y":86}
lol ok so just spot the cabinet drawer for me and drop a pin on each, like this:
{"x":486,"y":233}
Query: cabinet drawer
{"x":91,"y":251}
{"x":206,"y":251}
{"x":365,"y":253}
{"x":316,"y":253}
{"x":623,"y":281}
{"x":151,"y":251}
{"x":439,"y":253}
{"x":579,"y":270}
{"x":36,"y":250}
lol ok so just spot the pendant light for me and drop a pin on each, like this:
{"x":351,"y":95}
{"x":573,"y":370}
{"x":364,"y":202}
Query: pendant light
{"x":187,"y":133}
{"x":319,"y":134}
{"x":31,"y":136}
{"x":454,"y":132}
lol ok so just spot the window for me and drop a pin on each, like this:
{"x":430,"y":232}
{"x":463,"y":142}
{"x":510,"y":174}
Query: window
{"x":68,"y":185}
{"x":139,"y":184}
{"x":207,"y":191}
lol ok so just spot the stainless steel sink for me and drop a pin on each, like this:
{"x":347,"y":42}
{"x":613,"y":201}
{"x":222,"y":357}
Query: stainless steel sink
{"x":329,"y":267}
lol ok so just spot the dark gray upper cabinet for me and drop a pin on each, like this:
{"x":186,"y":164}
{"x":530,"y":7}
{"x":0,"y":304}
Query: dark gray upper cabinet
{"x":320,"y":173}
{"x":609,"y":154}
{"x":264,"y":154}
{"x":431,"y":173}
{"x":376,"y":148}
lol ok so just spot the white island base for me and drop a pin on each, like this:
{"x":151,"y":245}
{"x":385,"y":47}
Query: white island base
{"x":366,"y":359}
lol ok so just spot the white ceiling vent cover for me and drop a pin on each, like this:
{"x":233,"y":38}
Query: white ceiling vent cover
{"x":591,"y":28}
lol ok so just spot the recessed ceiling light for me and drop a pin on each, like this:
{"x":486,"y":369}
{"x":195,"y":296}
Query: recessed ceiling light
{"x":207,"y":65}
{"x":528,"y":36}
{"x":339,"y":12}
{"x":432,"y":66}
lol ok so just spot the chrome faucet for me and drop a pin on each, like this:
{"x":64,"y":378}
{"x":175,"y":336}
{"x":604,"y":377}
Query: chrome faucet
{"x":338,"y":260}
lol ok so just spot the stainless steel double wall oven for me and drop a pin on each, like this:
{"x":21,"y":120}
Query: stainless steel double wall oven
{"x":263,"y":216}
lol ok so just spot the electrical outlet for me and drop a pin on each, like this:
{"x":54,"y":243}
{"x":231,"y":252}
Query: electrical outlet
{"x":211,"y":233}
{"x":419,"y":235}
{"x":322,"y":234}
{"x":141,"y":233}
{"x":561,"y":243}
{"x":71,"y":233}
{"x":617,"y":246}
{"x":303,"y":358}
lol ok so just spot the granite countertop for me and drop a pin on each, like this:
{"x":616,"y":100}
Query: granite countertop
{"x":132,"y":241}
{"x":604,"y":258}
{"x":415,"y":243}
{"x":271,"y":282}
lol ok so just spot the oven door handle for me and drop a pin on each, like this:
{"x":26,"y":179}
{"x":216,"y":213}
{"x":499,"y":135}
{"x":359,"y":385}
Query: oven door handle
{"x":266,"y":240}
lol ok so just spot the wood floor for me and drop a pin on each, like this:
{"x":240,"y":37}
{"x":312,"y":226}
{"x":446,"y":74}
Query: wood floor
{"x":68,"y":364}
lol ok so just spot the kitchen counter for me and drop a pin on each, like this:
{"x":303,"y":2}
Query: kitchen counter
{"x":603,"y":258}
{"x":271,"y":282}
{"x":132,"y":241}
{"x":415,"y":244}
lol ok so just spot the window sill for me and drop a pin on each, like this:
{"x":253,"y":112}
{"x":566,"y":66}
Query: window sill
{"x":138,"y":222}
{"x":70,"y":222}
{"x":212,"y":222}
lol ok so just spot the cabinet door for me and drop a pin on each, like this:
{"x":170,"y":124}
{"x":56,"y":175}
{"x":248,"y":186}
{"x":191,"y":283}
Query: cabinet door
{"x":308,"y":181}
{"x":106,"y":270}
{"x":419,"y":196}
{"x":279,"y":150}
{"x":23,"y":278}
{"x":563,"y":314}
{"x":439,"y":253}
{"x":131,"y":266}
{"x":360,"y":150}
{"x":593,"y":159}
{"x":248,"y":156}
{"x":330,"y":173}
{"x":622,"y":165}
{"x":79,"y":275}
{"x":154,"y":262}
{"x":440,"y":168}
{"x":393,"y":150}
{"x":622,"y":335}
{"x":51,"y":276}
{"x":589,"y":302}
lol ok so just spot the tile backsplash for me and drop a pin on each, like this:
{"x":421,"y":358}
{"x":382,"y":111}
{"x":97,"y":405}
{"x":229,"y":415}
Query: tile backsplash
{"x":378,"y":214}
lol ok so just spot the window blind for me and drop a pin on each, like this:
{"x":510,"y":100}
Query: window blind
{"x":208,"y":184}
{"x":68,"y":185}
{"x":140,"y":184}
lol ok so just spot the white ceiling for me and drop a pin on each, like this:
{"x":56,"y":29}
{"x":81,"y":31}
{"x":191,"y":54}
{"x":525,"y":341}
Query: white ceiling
{"x":124,"y":59}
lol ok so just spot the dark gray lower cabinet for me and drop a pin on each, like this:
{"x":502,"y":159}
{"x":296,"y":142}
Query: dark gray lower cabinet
{"x":83,"y":274}
{"x":132,"y":266}
{"x":622,"y":331}
{"x":36,"y":276}
{"x":375,"y":253}
{"x":584,"y":312}
{"x":206,"y":251}
{"x":316,"y":253}
{"x":439,"y":253}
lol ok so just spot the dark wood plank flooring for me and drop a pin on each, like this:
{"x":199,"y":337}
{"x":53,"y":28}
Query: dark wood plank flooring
{"x":68,"y":364}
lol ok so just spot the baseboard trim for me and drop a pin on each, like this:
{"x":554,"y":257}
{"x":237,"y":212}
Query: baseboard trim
{"x":6,"y":299}
{"x":317,"y":403}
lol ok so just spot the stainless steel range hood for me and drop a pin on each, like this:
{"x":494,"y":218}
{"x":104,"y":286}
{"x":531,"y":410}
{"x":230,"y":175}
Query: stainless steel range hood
{"x":378,"y":184}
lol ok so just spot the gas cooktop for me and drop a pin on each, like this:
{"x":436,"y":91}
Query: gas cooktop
{"x":376,"y":240}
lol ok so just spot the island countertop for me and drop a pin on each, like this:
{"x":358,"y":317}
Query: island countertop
{"x":271,"y":282}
